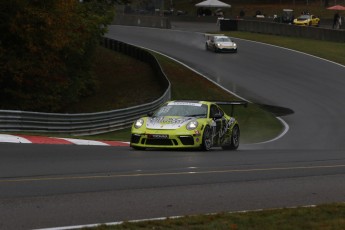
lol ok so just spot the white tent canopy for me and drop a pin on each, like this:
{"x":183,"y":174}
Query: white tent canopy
{"x":213,"y":3}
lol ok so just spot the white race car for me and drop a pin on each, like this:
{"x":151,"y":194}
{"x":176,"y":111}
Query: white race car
{"x":220,"y":43}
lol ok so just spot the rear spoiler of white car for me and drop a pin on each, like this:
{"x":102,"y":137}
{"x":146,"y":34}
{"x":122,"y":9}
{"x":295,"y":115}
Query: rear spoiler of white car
{"x":208,"y":36}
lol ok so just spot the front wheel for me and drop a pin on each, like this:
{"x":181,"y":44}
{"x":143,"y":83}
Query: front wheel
{"x":215,"y":49}
{"x":206,"y":139}
{"x":235,"y":139}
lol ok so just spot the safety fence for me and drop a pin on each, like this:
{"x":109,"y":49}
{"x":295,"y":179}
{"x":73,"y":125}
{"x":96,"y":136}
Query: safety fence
{"x":142,"y":21}
{"x":262,"y":25}
{"x":283,"y":29}
{"x":89,"y":123}
{"x":309,"y":32}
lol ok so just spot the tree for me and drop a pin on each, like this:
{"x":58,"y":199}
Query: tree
{"x":46,"y":48}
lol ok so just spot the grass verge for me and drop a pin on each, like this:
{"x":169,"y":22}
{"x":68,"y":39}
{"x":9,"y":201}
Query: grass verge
{"x":331,"y":216}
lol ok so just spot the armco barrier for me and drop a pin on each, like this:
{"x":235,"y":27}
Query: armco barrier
{"x":142,"y":20}
{"x":255,"y":26}
{"x":88,"y":123}
{"x":266,"y":26}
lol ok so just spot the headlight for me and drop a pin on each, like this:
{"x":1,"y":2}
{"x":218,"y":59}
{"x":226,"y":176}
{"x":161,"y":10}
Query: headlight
{"x":218,"y":44}
{"x":192,"y":125}
{"x":234,"y":44}
{"x":138,"y":123}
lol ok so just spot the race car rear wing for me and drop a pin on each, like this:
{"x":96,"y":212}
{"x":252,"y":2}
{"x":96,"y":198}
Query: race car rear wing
{"x":208,"y":36}
{"x":233,"y":104}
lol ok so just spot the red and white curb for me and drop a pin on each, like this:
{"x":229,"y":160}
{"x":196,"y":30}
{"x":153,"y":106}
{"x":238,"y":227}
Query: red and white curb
{"x":7,"y":138}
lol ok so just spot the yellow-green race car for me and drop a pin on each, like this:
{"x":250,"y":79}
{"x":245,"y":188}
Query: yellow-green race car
{"x":187,"y":124}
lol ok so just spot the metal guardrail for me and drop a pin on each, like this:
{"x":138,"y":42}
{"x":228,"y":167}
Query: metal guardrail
{"x":283,"y":29}
{"x":310,"y":32}
{"x":89,"y":123}
{"x":142,"y":20}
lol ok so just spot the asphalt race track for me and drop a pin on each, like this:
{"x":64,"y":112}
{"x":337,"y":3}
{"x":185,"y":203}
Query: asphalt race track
{"x":43,"y":186}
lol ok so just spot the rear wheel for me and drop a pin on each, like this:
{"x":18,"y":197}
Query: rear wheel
{"x":235,"y":139}
{"x":206,"y":139}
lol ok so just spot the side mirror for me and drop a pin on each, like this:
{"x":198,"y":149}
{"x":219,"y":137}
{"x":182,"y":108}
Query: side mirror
{"x":217,"y":116}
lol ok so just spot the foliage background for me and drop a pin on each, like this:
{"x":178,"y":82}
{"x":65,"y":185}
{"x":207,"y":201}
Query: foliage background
{"x":46,"y":48}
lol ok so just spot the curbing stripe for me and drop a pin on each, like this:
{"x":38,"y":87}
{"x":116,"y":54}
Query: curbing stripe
{"x":45,"y":140}
{"x":13,"y":139}
{"x":82,"y":142}
{"x":116,"y":143}
{"x":7,"y":138}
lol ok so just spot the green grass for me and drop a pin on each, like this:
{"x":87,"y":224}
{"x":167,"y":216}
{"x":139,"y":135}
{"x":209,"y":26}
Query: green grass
{"x":120,"y":83}
{"x":331,"y":216}
{"x":333,"y":51}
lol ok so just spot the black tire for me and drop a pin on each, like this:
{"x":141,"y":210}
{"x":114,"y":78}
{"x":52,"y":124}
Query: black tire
{"x":206,"y":139}
{"x":215,"y":49}
{"x":206,"y":46}
{"x":235,"y":139}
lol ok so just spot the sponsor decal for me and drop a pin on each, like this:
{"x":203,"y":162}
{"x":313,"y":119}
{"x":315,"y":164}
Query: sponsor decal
{"x":184,"y":103}
{"x":158,"y":136}
{"x":222,"y":132}
{"x":167,"y":122}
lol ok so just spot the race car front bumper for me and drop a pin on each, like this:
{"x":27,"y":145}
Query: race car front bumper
{"x":161,"y":140}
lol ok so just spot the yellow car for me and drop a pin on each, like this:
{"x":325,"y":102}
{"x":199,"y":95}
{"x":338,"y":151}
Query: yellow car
{"x":307,"y":20}
{"x":187,"y":124}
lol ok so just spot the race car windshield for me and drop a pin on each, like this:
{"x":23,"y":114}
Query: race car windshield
{"x":182,"y":110}
{"x":223,"y":40}
{"x":304,"y":17}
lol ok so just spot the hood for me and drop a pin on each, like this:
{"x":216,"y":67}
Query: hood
{"x":167,"y":122}
{"x":226,"y":43}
